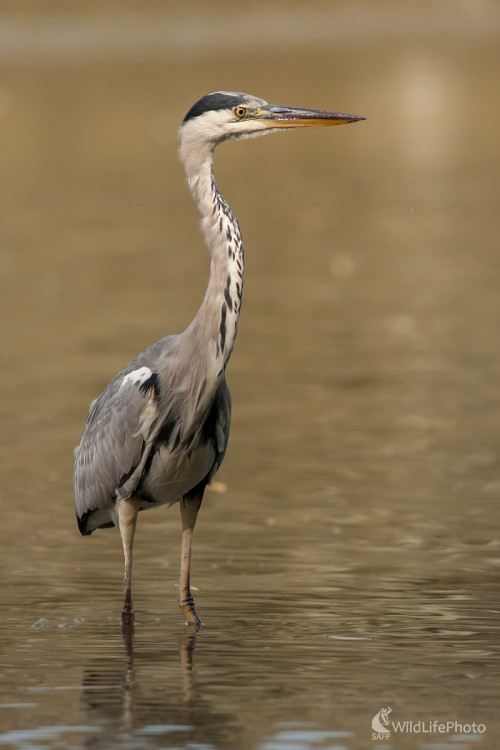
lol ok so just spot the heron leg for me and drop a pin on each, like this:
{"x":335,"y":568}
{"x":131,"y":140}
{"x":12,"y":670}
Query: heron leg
{"x":190,"y":505}
{"x":127,"y":511}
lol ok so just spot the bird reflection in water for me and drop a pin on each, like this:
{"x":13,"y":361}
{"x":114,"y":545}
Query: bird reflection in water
{"x":116,"y":702}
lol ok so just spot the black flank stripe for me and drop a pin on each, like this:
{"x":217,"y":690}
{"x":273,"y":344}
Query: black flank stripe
{"x":151,"y":382}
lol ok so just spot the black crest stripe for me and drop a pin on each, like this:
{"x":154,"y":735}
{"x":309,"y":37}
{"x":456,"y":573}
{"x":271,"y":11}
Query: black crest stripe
{"x":212,"y":102}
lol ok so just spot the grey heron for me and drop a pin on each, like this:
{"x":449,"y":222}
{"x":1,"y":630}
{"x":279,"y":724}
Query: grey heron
{"x":159,"y":431}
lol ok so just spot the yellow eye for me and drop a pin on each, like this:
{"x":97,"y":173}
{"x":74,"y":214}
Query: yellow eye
{"x":240,"y":112}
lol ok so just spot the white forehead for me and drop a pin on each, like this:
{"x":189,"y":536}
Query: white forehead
{"x":246,"y":99}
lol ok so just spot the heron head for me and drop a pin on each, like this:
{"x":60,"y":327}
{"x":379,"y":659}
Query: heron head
{"x":226,"y":115}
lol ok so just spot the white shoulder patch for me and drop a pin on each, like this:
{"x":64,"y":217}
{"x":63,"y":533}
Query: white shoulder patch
{"x":137,"y":377}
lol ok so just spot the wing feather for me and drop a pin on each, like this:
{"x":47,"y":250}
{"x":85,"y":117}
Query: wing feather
{"x":154,"y":423}
{"x":114,"y":445}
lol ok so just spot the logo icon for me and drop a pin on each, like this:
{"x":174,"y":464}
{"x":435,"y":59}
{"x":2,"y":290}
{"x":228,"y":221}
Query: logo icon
{"x":380,"y":722}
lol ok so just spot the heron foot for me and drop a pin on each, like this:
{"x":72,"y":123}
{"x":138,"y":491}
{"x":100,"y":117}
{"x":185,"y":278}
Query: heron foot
{"x":186,"y":603}
{"x":127,"y":612}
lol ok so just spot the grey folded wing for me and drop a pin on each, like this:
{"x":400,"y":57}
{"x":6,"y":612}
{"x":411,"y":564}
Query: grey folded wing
{"x":116,"y":442}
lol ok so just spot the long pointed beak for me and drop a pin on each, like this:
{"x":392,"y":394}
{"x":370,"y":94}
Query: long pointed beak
{"x":292,"y":117}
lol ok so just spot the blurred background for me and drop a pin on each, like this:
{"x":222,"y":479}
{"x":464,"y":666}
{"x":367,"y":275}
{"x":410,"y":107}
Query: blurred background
{"x":348,"y":556}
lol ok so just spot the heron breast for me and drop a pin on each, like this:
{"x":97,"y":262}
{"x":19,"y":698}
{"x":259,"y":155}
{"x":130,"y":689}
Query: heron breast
{"x":171,"y":476}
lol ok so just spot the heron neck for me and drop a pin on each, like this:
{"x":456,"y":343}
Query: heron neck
{"x":216,"y":323}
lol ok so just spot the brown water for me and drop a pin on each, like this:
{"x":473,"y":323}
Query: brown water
{"x":350,"y":558}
